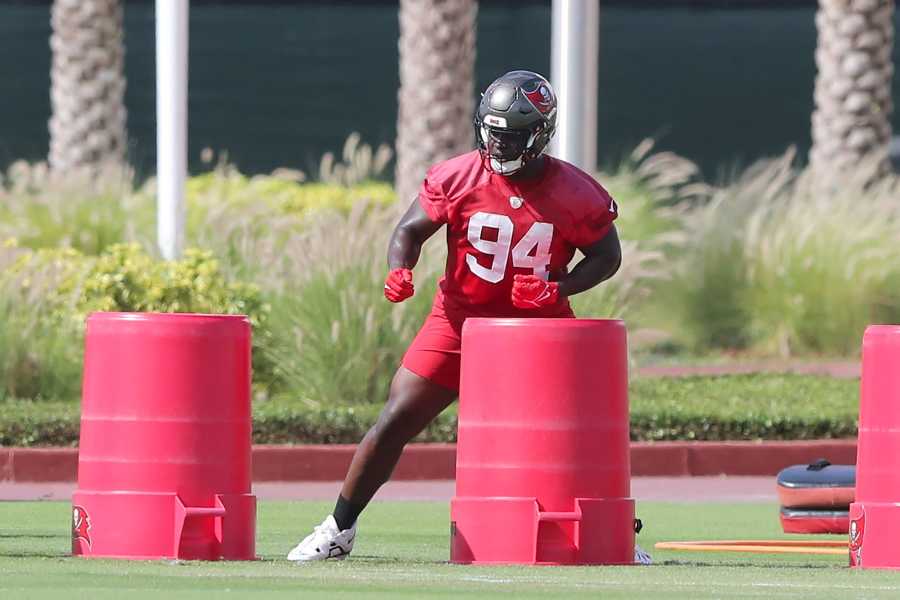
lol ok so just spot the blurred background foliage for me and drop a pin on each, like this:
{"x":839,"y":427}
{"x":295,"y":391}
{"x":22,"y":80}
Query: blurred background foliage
{"x":764,"y":264}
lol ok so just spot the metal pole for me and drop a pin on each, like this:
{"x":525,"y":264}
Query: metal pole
{"x":574,"y":59}
{"x":171,"y":123}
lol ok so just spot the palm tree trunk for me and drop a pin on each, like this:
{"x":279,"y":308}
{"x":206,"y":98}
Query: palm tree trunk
{"x":436,"y":97}
{"x":852,"y":117}
{"x":87,"y":84}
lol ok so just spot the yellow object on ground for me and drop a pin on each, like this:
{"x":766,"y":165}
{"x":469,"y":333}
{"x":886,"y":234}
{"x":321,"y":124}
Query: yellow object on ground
{"x":761,"y":546}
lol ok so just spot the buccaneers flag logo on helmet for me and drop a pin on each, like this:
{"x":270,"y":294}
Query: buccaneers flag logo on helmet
{"x":81,"y":525}
{"x":540,"y":97}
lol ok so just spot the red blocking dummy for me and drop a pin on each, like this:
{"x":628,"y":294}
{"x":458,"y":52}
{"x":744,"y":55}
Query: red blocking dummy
{"x":875,"y":516}
{"x":542,"y":467}
{"x":164,"y":454}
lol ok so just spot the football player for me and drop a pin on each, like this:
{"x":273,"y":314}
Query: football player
{"x":514,"y":218}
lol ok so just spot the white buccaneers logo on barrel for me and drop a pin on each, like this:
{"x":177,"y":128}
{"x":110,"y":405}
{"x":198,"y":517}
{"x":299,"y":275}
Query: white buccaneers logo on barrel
{"x":857,"y":531}
{"x":81,"y":525}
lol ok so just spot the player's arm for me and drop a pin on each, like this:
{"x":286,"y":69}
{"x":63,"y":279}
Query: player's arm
{"x":404,"y":249}
{"x":414,"y":228}
{"x":601,"y":261}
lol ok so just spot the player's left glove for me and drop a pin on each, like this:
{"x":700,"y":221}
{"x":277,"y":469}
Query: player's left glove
{"x":530,"y":291}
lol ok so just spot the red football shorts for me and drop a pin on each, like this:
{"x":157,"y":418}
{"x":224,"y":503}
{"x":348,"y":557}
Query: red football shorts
{"x":435,"y":352}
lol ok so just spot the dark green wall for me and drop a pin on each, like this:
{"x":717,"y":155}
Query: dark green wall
{"x":279,"y":84}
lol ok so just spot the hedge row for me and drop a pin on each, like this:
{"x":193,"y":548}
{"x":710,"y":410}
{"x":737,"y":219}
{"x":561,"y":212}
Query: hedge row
{"x":744,"y":407}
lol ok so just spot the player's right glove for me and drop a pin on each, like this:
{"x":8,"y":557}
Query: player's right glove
{"x":399,"y":286}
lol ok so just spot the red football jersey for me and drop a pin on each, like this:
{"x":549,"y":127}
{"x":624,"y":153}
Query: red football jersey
{"x":497,"y":227}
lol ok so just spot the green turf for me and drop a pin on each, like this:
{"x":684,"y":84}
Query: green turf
{"x":403,"y":550}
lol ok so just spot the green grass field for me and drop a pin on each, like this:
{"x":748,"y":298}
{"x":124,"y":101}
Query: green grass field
{"x":403,"y":550}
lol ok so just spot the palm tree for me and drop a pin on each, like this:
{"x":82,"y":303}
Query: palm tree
{"x":853,"y":104}
{"x":436,"y":97}
{"x":87,"y":84}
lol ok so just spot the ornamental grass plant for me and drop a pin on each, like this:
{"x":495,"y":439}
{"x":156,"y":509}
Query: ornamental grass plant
{"x":653,"y":190}
{"x":779,"y":265}
{"x":87,"y":211}
{"x":40,"y":351}
{"x":335,"y":339}
{"x":46,"y":295}
{"x":768,"y":263}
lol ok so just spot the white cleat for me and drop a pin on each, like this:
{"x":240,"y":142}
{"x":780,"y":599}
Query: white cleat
{"x":641,"y":557}
{"x":326,"y":542}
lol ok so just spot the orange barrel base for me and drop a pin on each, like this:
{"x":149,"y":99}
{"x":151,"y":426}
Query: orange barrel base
{"x":516,"y":531}
{"x":542,"y":462}
{"x":157,"y":525}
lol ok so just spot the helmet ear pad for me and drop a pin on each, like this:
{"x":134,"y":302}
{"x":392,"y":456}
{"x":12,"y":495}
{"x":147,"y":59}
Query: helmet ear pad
{"x":540,"y":137}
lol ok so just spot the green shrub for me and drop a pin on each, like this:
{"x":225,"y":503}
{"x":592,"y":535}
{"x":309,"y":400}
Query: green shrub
{"x":40,"y":351}
{"x":277,"y":423}
{"x":763,"y":263}
{"x":45,"y":296}
{"x":125,"y":278}
{"x":314,"y":253}
{"x":744,"y":407}
{"x":227,"y":186}
{"x":247,"y":228}
{"x":46,"y":423}
{"x":738,"y":407}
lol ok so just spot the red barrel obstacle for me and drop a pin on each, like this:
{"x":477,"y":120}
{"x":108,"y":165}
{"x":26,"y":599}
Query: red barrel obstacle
{"x":875,"y":515}
{"x":164,"y":455}
{"x":542,"y":466}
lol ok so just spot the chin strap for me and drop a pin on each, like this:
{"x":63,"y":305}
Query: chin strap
{"x":507,"y":167}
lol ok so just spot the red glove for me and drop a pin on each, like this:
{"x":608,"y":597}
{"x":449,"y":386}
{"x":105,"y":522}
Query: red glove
{"x":399,"y":286}
{"x":530,"y":291}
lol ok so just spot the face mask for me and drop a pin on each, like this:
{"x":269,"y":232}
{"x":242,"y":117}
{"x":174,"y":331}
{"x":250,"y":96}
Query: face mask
{"x":505,"y":149}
